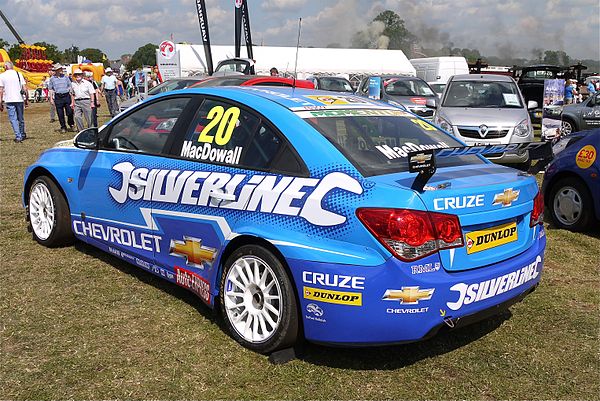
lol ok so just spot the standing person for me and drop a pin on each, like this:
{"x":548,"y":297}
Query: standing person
{"x":568,"y":92}
{"x":591,"y":87}
{"x":83,"y":93}
{"x":139,"y":82}
{"x":108,"y":87}
{"x":95,"y":101}
{"x":60,"y":96}
{"x":48,"y":97}
{"x":13,"y":92}
{"x":120,"y":89}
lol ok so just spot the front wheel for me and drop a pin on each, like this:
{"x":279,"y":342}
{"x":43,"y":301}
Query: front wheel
{"x":571,"y":205}
{"x":567,"y":127}
{"x":257,"y":300}
{"x":49,"y":218}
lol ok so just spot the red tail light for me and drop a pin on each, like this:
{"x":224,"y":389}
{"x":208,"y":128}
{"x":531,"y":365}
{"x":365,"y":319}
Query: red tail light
{"x":412,"y":234}
{"x":537,"y":215}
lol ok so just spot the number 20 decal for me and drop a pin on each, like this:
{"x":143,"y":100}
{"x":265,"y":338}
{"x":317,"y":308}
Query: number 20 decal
{"x":225,"y":119}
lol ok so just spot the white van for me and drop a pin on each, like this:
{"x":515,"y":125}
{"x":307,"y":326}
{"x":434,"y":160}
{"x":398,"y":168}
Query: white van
{"x":437,"y":70}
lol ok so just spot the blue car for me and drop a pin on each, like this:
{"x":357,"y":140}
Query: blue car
{"x":571,"y":184}
{"x":295,"y":213}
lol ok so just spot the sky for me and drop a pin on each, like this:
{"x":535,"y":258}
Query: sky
{"x":495,"y":27}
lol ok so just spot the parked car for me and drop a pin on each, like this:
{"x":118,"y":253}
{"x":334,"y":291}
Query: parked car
{"x":571,"y":184}
{"x":253,"y":80}
{"x":410,"y":93}
{"x":487,"y":109}
{"x":334,"y":84}
{"x":167,"y":86}
{"x":581,"y":116}
{"x":293,"y":212}
{"x":531,"y":84}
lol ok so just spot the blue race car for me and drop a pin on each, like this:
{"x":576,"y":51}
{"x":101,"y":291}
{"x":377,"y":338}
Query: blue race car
{"x":298,"y":213}
{"x":571,"y":184}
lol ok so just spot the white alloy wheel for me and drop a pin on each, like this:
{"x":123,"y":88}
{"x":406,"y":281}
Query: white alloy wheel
{"x":566,"y":128}
{"x":41,"y":211}
{"x":253,"y":299}
{"x":568,"y":206}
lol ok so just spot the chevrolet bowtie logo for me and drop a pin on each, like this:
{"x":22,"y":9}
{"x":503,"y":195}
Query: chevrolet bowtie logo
{"x":408,"y":295}
{"x":506,"y":198}
{"x":420,"y":158}
{"x":192,"y":251}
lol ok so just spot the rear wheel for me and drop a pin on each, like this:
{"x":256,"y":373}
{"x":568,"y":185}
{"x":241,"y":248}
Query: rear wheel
{"x":571,"y":205}
{"x":567,"y":127}
{"x":49,"y":218}
{"x":257,"y":300}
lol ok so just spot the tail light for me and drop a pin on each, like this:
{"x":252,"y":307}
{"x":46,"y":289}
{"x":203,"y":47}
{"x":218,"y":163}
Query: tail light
{"x":412,"y":234}
{"x":537,"y":215}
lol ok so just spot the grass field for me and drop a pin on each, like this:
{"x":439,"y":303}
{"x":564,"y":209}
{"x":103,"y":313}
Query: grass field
{"x":79,"y":324}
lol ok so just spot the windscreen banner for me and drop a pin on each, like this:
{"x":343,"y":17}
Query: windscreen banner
{"x":203,"y":20}
{"x":375,"y":88}
{"x":554,"y":92}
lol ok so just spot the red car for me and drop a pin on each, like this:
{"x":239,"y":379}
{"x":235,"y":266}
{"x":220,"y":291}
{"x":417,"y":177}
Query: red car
{"x":252,"y":80}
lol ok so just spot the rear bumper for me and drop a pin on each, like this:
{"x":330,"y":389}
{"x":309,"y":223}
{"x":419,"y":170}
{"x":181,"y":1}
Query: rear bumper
{"x":402,"y":302}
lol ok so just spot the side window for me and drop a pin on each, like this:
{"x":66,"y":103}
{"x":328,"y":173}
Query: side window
{"x":263,"y":148}
{"x":147,"y":129}
{"x":219,"y":133}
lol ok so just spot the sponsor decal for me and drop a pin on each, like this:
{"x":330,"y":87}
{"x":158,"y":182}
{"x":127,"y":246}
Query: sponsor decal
{"x":406,"y":311}
{"x":410,"y":295}
{"x":476,"y":292}
{"x":458,"y":202}
{"x":542,"y":232}
{"x":314,"y":313}
{"x":491,"y":237}
{"x":262,"y":193}
{"x":586,"y":156}
{"x":506,"y":198}
{"x":399,"y":152}
{"x":333,"y":297}
{"x":116,"y":235}
{"x":334,"y":280}
{"x":193,"y":252}
{"x":425,"y":268}
{"x":193,"y":282}
{"x":152,"y":268}
{"x":337,"y":99}
{"x":167,"y":49}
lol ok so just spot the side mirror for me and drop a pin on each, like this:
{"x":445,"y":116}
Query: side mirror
{"x":532,"y":104}
{"x":87,"y":139}
{"x":431,"y":103}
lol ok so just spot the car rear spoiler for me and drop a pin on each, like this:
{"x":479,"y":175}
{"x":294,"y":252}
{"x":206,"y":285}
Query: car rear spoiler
{"x":423,"y":161}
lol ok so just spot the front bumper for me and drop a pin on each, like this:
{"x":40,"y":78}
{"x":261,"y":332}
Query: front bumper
{"x":400,"y":302}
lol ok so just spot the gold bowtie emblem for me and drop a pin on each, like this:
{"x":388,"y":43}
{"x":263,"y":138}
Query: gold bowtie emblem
{"x":420,"y":158}
{"x":409,"y":295}
{"x":506,"y":198}
{"x":192,"y":251}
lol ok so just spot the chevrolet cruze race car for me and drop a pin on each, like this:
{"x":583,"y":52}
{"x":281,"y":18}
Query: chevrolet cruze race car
{"x":297,"y":213}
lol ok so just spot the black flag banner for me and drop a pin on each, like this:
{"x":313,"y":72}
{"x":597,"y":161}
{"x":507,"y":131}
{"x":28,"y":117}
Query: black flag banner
{"x":203,"y":20}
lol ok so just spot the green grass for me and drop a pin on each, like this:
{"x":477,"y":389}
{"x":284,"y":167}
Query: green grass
{"x":76,"y":323}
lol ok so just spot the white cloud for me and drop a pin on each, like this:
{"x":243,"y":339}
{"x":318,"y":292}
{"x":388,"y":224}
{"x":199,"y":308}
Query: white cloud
{"x":281,"y":5}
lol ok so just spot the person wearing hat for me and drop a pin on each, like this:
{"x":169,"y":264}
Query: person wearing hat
{"x":60,"y":96}
{"x":83,"y":93}
{"x":108,"y":87}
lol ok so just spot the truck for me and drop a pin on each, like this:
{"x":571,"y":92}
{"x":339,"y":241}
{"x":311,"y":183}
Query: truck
{"x":437,"y":70}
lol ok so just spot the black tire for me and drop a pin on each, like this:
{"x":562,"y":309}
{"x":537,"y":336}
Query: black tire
{"x":286,"y":331}
{"x":60,"y":233}
{"x":571,"y":186}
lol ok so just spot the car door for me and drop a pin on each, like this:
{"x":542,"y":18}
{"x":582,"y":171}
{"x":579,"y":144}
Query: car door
{"x":118,"y":181}
{"x":226,"y":153}
{"x":591,"y":113}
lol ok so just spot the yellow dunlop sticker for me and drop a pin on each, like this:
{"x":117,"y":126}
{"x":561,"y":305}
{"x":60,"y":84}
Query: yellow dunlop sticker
{"x":491,"y":237}
{"x":333,"y":297}
{"x":586,"y":156}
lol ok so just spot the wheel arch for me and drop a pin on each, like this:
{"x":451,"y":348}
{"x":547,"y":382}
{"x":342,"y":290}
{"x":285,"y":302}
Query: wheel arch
{"x":572,"y":120}
{"x":560,"y":176}
{"x":38,"y":172}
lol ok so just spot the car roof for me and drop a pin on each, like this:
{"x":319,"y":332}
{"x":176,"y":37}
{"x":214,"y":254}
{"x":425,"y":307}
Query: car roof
{"x":482,"y":77}
{"x":291,"y":98}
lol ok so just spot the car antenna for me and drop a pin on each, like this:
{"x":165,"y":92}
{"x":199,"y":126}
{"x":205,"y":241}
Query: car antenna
{"x":297,"y":47}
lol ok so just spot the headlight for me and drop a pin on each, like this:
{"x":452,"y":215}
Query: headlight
{"x":522,"y":129}
{"x":443,"y":124}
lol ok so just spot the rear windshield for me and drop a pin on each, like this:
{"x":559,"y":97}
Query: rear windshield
{"x":335,"y":84}
{"x":168,"y":86}
{"x":377,"y":141}
{"x":481,"y":94}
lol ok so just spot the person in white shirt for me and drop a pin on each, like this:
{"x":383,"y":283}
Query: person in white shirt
{"x":83,"y":94}
{"x":12,"y":91}
{"x":108,"y":87}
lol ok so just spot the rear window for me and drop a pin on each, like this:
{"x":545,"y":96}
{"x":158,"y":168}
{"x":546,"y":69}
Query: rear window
{"x":377,"y":141}
{"x":406,"y":87}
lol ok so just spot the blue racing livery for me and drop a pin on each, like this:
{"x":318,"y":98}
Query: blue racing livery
{"x":292,"y":211}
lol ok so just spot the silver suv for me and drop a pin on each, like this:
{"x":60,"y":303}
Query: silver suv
{"x":486,"y":109}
